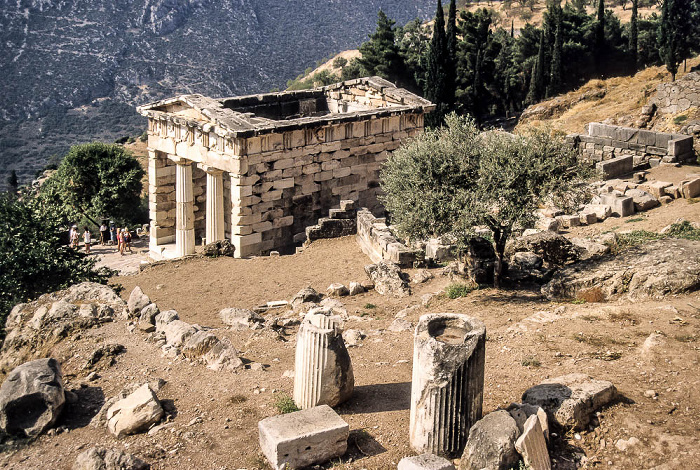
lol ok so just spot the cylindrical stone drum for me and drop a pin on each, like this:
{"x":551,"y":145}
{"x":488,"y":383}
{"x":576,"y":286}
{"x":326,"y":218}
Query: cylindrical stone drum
{"x":448,"y":382}
{"x":322,"y":368}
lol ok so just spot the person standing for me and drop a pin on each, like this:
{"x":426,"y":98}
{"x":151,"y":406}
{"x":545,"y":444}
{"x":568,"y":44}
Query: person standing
{"x":103,"y":233}
{"x":113,"y":236}
{"x":87,"y":240}
{"x":74,"y":237}
{"x":120,"y":240}
{"x":127,"y":239}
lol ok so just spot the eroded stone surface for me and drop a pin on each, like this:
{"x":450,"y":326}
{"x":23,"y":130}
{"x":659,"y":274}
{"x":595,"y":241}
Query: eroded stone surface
{"x":425,"y":462}
{"x":571,"y":400}
{"x":100,"y":458}
{"x":135,"y":413}
{"x":491,"y":443}
{"x":532,"y":445}
{"x":299,"y":439}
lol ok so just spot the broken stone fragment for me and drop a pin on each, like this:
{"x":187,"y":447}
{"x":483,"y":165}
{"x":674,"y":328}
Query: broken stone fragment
{"x":388,"y":279}
{"x":337,"y":290}
{"x":355,"y":288}
{"x":135,"y":413}
{"x":137,"y":301}
{"x":491,"y":443}
{"x":425,"y":462}
{"x":306,"y":295}
{"x":532,"y":445}
{"x":571,"y":400}
{"x":240,"y":318}
{"x":99,"y":458}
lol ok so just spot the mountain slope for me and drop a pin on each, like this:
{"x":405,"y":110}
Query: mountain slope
{"x":62,"y":54}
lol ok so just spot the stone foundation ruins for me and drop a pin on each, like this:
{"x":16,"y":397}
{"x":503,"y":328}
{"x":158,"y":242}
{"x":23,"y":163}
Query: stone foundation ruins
{"x":259,"y":169}
{"x":617,"y":150}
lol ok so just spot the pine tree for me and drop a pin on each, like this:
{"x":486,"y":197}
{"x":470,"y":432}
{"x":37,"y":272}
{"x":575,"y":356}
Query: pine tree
{"x":451,"y":64}
{"x":634,"y":38}
{"x":380,"y":55}
{"x":436,"y":74}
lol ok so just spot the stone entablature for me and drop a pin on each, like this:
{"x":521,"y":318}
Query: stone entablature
{"x":605,"y":142}
{"x":280,"y":160}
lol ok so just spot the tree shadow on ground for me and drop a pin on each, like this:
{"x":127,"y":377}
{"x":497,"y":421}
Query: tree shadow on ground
{"x":377,"y":398}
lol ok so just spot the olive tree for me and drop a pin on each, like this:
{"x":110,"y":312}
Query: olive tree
{"x":450,"y":180}
{"x":96,"y":180}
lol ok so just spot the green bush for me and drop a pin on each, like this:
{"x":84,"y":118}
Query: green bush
{"x":285,"y":404}
{"x":34,"y":256}
{"x":458,"y":289}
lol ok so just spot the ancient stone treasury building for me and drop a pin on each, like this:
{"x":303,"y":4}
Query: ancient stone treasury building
{"x":259,"y":169}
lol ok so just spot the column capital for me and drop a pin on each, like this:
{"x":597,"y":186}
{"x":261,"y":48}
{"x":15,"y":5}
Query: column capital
{"x":179,"y":160}
{"x":210,"y":169}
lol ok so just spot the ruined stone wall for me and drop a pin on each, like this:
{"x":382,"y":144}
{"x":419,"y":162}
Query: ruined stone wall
{"x":161,"y":197}
{"x":289,"y":180}
{"x":605,"y":142}
{"x":678,"y":96}
{"x":377,"y":241}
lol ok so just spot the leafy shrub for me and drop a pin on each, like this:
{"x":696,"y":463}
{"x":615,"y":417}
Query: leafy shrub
{"x":458,"y":289}
{"x":285,"y":404}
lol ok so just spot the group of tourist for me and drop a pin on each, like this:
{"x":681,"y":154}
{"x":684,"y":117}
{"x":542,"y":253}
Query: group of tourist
{"x":118,"y":237}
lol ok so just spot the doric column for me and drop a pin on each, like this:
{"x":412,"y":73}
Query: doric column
{"x":184,"y":208}
{"x":215,"y":205}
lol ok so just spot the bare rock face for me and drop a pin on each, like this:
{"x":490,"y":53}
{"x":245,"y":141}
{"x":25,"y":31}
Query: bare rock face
{"x":33,"y":326}
{"x":655,"y":269}
{"x":32,"y":398}
{"x":137,"y":301}
{"x":135,"y":413}
{"x":240,"y":318}
{"x":491,"y":443}
{"x":388,"y":279}
{"x":99,"y":458}
{"x":571,"y":400}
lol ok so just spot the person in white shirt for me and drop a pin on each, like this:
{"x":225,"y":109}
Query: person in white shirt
{"x":87,"y":240}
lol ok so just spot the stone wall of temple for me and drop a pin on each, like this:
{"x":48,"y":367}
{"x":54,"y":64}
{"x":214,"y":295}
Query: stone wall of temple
{"x":161,"y":197}
{"x":199,"y":190}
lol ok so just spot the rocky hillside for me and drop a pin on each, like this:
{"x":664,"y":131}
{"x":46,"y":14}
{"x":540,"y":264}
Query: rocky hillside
{"x":73,"y":69}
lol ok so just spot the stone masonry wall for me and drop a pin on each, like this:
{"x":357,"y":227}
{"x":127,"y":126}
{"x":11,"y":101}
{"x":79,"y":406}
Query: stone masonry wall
{"x":289,"y":180}
{"x":161,"y":198}
{"x":678,"y":96}
{"x":605,"y":142}
{"x":377,"y":241}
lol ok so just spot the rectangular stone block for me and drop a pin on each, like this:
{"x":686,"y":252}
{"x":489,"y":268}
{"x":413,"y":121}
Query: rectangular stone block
{"x":303,"y":438}
{"x":680,"y":146}
{"x":616,"y":166}
{"x":621,"y":206}
{"x":690,"y":188}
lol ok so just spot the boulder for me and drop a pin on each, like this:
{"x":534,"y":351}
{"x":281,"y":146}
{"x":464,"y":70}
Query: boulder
{"x":553,"y":248}
{"x":642,"y":200}
{"x":353,"y":338}
{"x":491,"y":443}
{"x":135,"y":413}
{"x":240,"y":318}
{"x":388,"y":279}
{"x":163,"y":318}
{"x":148,"y":314}
{"x":32,"y":398}
{"x":355,"y":288}
{"x":199,"y":344}
{"x":219,"y":248}
{"x":306,"y":295}
{"x":399,"y":324}
{"x":178,"y":331}
{"x":571,"y":400}
{"x":99,"y":458}
{"x":223,"y":357}
{"x":526,"y":260}
{"x":337,"y":290}
{"x":137,"y":301}
{"x":590,"y":248}
{"x":651,"y":270}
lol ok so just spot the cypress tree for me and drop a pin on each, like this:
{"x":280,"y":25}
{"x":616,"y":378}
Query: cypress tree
{"x":537,"y":77}
{"x":600,"y":36}
{"x":512,"y":28}
{"x":451,"y":65}
{"x":13,"y":182}
{"x":436,"y":76}
{"x":634,"y":35}
{"x":555,"y":77}
{"x":675,"y":33}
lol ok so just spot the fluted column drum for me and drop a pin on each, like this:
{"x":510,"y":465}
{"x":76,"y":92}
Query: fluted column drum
{"x":184,"y":209}
{"x":322,"y":368}
{"x":447,"y":389}
{"x":215,"y":205}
